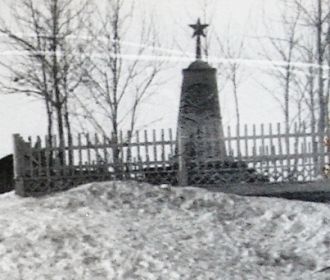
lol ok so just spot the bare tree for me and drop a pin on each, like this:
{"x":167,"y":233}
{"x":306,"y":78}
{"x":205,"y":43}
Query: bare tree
{"x":234,"y":73}
{"x":305,"y":86}
{"x":283,"y":47}
{"x":46,"y":66}
{"x":120,"y":79}
{"x":316,"y":18}
{"x":305,"y":38}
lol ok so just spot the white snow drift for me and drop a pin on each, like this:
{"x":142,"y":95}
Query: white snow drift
{"x":118,"y":230}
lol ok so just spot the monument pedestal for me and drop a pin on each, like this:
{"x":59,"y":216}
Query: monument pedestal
{"x":200,"y":132}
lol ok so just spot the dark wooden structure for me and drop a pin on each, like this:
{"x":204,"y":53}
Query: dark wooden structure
{"x":6,"y":174}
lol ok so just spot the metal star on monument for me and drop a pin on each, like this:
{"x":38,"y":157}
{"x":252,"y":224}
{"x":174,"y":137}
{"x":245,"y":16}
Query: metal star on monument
{"x":199,"y":28}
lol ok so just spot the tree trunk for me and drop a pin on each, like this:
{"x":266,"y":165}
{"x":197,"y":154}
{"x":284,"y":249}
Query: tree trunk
{"x":327,"y":97}
{"x":69,"y":133}
{"x":116,"y":151}
{"x":115,"y":85}
{"x":287,"y":116}
{"x":58,"y":107}
{"x":238,"y":121}
{"x":320,"y":58}
{"x":313,"y":118}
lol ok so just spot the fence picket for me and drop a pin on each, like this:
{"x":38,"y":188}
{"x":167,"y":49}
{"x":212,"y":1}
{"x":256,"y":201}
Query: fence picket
{"x":304,"y":139}
{"x":47,"y":161}
{"x":38,"y":146}
{"x":129,"y":151}
{"x":122,"y":154}
{"x":80,"y":154}
{"x":163,"y":148}
{"x":246,"y":143}
{"x":304,"y":151}
{"x":137,"y":135}
{"x":30,"y":157}
{"x":146,"y":144}
{"x":88,"y":146}
{"x":272,"y":149}
{"x":129,"y":162}
{"x":230,"y":151}
{"x":98,"y":157}
{"x":154,"y":140}
{"x":254,"y":147}
{"x":171,"y":143}
{"x":238,"y":142}
{"x":280,"y":148}
{"x":296,"y":145}
{"x":73,"y":155}
{"x":105,"y":152}
{"x":262,"y":139}
{"x":310,"y":159}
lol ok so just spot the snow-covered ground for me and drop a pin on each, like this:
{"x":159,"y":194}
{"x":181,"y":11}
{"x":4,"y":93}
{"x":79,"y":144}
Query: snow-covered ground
{"x":118,"y":230}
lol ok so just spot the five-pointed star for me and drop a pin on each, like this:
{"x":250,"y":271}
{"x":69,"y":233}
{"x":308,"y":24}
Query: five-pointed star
{"x":199,"y":28}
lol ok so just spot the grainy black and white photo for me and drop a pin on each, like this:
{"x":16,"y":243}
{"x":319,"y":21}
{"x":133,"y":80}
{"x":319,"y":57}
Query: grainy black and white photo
{"x":164,"y":140}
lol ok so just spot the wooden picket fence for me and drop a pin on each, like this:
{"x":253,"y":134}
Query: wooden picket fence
{"x":294,"y":157}
{"x":38,"y":168}
{"x":298,"y":156}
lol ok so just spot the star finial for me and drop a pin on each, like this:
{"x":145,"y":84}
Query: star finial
{"x":198,"y":33}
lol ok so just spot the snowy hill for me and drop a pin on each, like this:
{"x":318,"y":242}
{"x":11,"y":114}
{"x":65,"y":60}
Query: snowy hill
{"x":135,"y":231}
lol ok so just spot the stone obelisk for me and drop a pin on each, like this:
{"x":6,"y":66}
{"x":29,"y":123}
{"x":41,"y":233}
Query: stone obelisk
{"x":200,"y":132}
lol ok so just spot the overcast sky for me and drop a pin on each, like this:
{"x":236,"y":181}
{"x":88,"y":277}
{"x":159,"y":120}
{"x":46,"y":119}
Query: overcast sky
{"x":25,"y":115}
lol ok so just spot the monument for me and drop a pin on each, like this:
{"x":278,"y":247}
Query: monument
{"x":201,"y":151}
{"x":200,"y":131}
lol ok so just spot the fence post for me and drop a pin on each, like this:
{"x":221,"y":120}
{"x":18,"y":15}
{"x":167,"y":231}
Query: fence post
{"x":18,"y":162}
{"x":183,"y":172}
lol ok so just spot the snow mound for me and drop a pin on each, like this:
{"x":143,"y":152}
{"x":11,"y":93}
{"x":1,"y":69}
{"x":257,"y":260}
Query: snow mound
{"x":117,"y":230}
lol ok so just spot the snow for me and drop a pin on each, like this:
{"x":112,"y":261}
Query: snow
{"x":117,"y":230}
